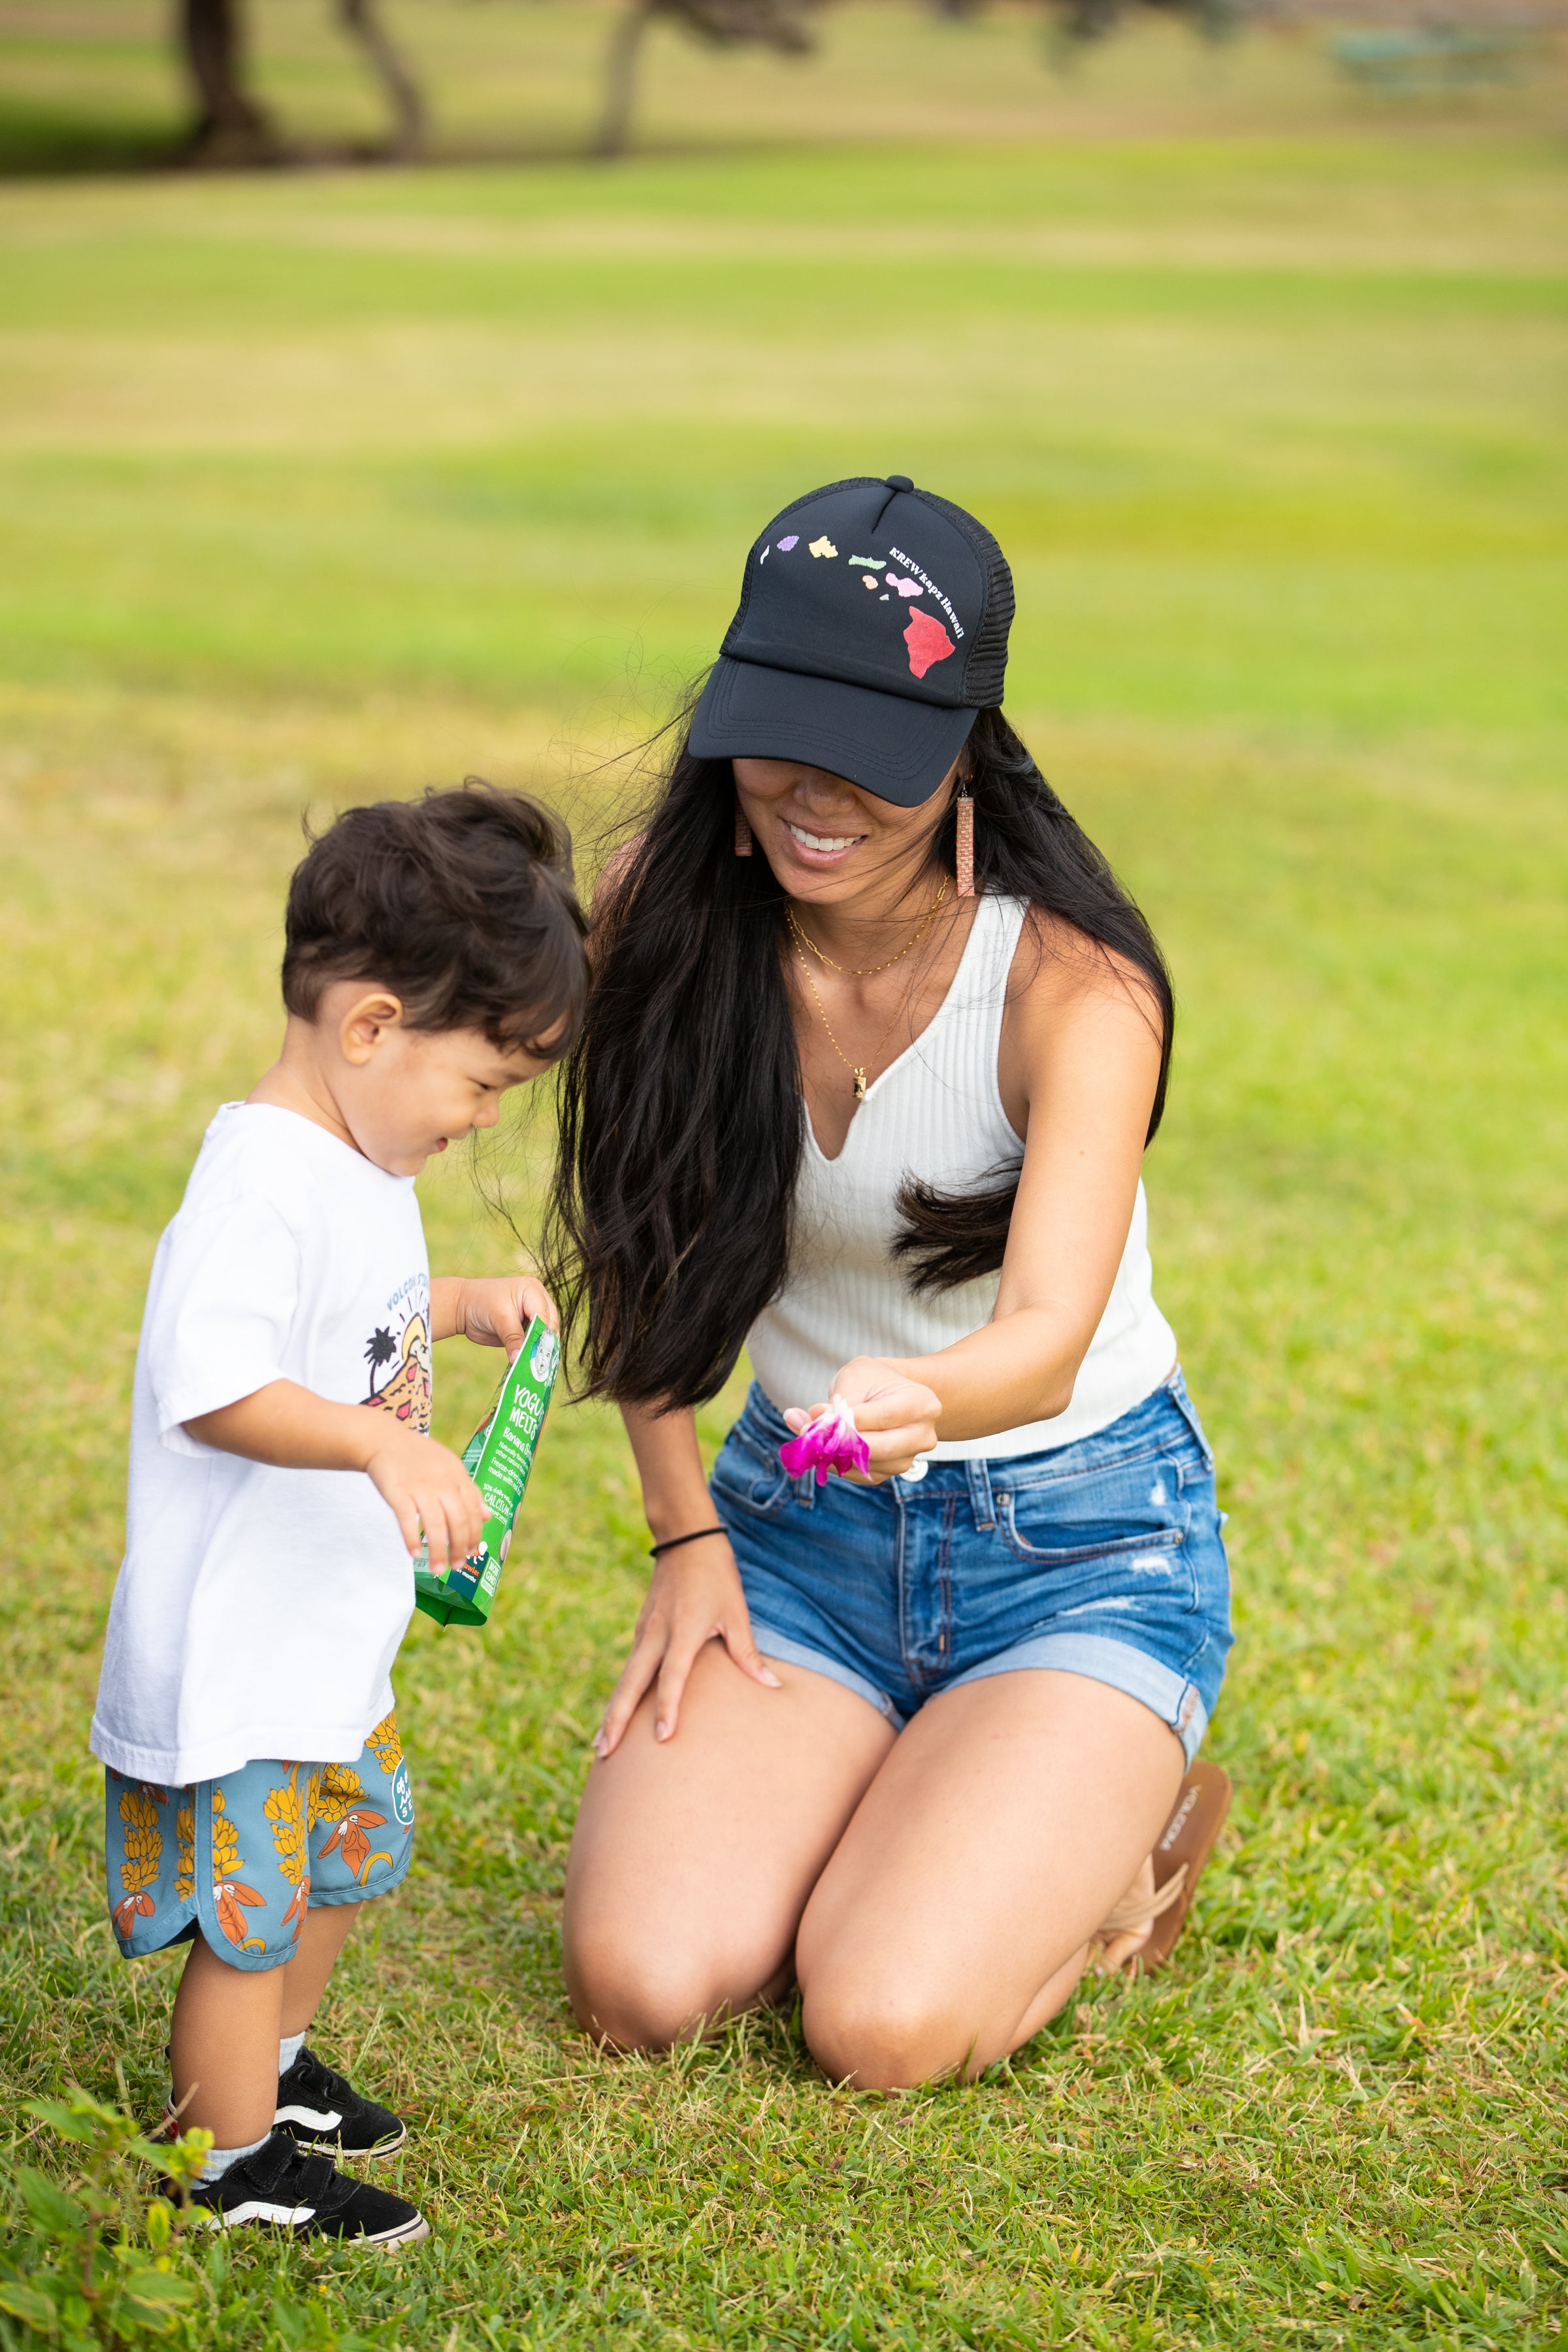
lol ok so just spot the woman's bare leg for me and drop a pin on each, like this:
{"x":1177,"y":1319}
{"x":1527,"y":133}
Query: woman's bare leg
{"x":693,"y":1857}
{"x":953,"y":1919}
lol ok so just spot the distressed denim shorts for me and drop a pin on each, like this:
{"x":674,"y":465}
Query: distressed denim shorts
{"x":241,"y":1859}
{"x":1102,"y":1558}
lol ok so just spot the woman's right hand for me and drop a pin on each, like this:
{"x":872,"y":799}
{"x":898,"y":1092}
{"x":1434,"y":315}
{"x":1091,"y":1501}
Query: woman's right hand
{"x":695,"y":1598}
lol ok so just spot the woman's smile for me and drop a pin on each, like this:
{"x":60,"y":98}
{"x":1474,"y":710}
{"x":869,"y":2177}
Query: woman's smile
{"x":820,"y":848}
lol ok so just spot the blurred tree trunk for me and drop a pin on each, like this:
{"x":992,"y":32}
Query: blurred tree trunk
{"x":621,"y":78}
{"x":360,"y":20}
{"x":229,"y":128}
{"x":780,"y":24}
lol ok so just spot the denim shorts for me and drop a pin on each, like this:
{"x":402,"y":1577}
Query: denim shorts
{"x":1102,"y":1558}
{"x":241,"y":1859}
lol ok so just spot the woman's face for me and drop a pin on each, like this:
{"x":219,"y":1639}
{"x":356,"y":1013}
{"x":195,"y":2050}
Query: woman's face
{"x":826,"y":839}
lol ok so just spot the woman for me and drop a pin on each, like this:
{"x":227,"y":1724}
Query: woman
{"x":874,"y":1047}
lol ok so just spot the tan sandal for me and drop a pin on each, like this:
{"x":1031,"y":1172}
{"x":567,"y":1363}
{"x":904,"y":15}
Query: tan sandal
{"x":1183,"y":1847}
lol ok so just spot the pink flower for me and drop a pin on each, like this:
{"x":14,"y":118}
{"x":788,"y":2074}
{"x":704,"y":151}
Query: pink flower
{"x":831,"y":1441}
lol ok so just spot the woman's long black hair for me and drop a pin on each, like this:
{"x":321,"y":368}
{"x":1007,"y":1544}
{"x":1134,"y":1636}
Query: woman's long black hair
{"x":682,"y":1119}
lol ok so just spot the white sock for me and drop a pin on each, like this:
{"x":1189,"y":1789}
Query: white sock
{"x":220,"y":2158}
{"x":288,"y":2049}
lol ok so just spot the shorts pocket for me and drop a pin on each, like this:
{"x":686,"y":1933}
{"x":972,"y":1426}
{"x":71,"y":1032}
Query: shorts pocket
{"x":1069,"y":1545}
{"x":747,"y":1478}
{"x":1130,"y":1511}
{"x":1093,"y":1570}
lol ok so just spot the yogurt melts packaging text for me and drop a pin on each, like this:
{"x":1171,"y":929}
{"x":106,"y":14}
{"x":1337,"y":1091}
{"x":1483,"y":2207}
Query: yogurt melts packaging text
{"x":498,"y":1458}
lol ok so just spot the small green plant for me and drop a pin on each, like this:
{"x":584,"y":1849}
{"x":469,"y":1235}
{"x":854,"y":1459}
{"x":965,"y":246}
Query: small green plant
{"x":98,"y":2261}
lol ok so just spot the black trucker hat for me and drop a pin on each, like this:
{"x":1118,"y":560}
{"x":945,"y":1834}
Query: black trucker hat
{"x":872,"y":629}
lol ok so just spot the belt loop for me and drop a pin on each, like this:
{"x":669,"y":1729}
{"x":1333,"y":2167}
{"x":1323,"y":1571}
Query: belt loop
{"x":806,"y":1489}
{"x":980,"y":1491}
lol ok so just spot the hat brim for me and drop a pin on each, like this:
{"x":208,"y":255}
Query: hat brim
{"x":886,"y":743}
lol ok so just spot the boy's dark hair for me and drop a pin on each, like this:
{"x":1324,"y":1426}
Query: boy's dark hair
{"x":461,"y":903}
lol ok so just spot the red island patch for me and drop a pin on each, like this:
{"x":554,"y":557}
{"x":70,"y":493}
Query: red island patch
{"x":928,"y":641}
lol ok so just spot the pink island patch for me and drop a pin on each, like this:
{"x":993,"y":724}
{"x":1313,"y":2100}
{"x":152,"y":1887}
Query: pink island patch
{"x":928,"y":641}
{"x":785,"y":544}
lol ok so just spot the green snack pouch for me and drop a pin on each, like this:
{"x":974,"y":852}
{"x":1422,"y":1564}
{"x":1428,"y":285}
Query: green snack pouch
{"x":498,"y":1458}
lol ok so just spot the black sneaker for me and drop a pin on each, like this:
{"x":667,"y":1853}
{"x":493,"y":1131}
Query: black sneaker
{"x":283,"y":2187}
{"x":321,"y":2109}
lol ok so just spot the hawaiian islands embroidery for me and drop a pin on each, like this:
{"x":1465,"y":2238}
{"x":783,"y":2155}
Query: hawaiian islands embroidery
{"x":904,"y":587}
{"x":823,"y":546}
{"x":792,"y":540}
{"x":928,"y":641}
{"x":871,"y":562}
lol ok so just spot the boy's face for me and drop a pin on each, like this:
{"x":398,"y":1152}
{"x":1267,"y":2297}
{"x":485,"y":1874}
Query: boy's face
{"x":405,"y":1094}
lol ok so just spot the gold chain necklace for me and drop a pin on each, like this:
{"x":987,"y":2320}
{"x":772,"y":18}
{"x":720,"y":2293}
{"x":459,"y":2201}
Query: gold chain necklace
{"x":855,"y":1070}
{"x":867,"y":971}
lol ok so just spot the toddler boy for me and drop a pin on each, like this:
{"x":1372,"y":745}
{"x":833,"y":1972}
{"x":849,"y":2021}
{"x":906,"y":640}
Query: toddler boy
{"x":281,"y":1473}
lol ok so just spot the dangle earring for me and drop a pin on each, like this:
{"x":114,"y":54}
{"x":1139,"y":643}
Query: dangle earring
{"x":743,"y":833}
{"x":963,"y":857}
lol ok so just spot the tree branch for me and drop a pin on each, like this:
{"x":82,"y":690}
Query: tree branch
{"x":362,"y":22}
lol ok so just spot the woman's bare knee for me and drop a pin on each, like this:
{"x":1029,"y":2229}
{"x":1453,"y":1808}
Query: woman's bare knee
{"x":884,"y":2035}
{"x":890,"y":2034}
{"x":637,"y":2008}
{"x":638,"y":1997}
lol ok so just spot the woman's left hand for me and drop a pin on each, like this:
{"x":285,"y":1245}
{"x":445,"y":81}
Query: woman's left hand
{"x":895,"y":1415}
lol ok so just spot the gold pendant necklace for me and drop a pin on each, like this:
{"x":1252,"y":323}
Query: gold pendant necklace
{"x":855,"y":1070}
{"x":864,"y":972}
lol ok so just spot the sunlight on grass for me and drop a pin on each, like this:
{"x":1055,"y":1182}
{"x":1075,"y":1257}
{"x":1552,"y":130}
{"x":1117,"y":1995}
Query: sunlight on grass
{"x":314,"y":489}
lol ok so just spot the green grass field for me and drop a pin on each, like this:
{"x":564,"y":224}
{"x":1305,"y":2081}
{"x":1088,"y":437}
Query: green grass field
{"x":319,"y":487}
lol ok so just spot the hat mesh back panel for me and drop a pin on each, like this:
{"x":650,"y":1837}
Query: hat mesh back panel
{"x":987,"y":664}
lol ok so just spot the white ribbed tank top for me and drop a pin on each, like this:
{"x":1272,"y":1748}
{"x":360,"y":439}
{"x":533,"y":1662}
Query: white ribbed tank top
{"x":936,"y":1112}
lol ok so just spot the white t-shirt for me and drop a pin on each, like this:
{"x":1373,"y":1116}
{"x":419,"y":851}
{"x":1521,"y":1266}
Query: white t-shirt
{"x":259,"y":1611}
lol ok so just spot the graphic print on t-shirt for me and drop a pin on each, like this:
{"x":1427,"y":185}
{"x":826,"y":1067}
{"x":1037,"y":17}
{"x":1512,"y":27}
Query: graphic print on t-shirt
{"x":406,"y":1391}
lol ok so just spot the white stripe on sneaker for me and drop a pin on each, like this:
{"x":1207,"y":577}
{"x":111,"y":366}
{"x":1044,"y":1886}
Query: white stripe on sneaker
{"x":315,"y":2118}
{"x":257,"y":2209}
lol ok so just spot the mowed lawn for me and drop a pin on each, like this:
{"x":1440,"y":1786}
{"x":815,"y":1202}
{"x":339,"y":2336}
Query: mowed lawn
{"x":318,"y":488}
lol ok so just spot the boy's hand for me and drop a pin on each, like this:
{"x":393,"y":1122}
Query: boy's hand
{"x":426,"y":1485}
{"x":493,"y":1313}
{"x":421,"y":1479}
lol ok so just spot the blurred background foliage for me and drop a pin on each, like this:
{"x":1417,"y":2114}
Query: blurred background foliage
{"x":122,"y":84}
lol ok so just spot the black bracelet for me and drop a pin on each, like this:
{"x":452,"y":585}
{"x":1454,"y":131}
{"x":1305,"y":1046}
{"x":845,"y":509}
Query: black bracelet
{"x":673,"y":1543}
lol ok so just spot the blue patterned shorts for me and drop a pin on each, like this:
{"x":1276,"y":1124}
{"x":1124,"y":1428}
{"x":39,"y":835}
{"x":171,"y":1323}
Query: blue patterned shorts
{"x":244,"y":1857}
